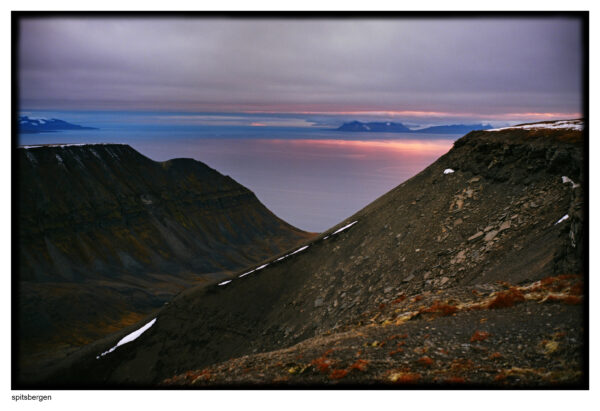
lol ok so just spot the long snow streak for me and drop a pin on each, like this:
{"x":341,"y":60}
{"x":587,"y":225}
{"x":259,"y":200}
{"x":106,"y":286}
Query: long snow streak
{"x":563,"y":218}
{"x":129,"y":337}
{"x":344,"y":227}
{"x":298,"y":250}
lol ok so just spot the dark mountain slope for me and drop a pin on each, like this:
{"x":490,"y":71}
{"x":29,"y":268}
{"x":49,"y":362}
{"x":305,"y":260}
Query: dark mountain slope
{"x":487,"y":211}
{"x":106,"y":235}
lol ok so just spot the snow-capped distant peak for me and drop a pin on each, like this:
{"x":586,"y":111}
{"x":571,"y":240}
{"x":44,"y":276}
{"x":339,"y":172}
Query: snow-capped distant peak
{"x":561,"y":124}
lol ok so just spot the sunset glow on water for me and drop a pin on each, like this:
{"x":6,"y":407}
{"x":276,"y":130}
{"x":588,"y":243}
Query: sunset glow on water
{"x":312,"y":184}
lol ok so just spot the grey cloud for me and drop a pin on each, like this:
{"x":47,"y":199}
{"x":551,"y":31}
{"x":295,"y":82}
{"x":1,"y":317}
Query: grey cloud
{"x":485,"y":65}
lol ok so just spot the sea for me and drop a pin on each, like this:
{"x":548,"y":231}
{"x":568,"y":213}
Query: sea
{"x":311,"y":177}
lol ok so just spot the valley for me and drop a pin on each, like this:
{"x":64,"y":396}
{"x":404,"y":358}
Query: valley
{"x":471,"y":272}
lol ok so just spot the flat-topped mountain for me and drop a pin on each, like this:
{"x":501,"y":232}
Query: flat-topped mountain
{"x":29,"y":125}
{"x":105,"y":235}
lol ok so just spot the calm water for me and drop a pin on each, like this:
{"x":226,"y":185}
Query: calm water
{"x":309,"y":177}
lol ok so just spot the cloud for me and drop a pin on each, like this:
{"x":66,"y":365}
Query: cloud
{"x":481,"y":66}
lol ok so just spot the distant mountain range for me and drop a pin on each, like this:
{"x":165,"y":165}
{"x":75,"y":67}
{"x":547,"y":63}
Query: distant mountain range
{"x":390,"y":127}
{"x":29,"y":125}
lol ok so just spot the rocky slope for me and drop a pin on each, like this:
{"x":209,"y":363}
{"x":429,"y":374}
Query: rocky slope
{"x":470,"y":272}
{"x":106,"y":235}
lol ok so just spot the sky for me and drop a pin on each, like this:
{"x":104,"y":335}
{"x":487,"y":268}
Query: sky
{"x":306,"y":72}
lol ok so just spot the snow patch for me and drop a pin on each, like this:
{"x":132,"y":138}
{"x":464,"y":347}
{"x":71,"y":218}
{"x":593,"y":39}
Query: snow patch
{"x":60,"y":160}
{"x":62,"y":145}
{"x":563,"y":124}
{"x":224,"y":282}
{"x":344,"y":227}
{"x":251,"y":271}
{"x":298,"y":250}
{"x":563,"y":218}
{"x":129,"y":338}
{"x":245,"y":274}
{"x":567,"y":180}
{"x":448,"y":171}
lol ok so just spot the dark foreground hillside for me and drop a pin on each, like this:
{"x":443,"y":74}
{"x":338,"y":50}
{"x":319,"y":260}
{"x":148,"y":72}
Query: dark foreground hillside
{"x":107,"y":235}
{"x":471,"y":272}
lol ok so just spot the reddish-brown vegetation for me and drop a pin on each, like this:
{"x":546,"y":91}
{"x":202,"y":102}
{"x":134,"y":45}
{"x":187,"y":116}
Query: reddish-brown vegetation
{"x":396,"y":336}
{"x":337,"y":374}
{"x":193,"y":376}
{"x":323,"y":364}
{"x":561,"y":298}
{"x":440,"y":308}
{"x":506,"y":298}
{"x":576,"y":289}
{"x":499,"y":377}
{"x":479,"y":336}
{"x":461,"y":364}
{"x":405,"y":377}
{"x":360,"y":365}
{"x":399,"y":299}
{"x":397,"y":350}
{"x":455,"y":380}
{"x":425,"y":361}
